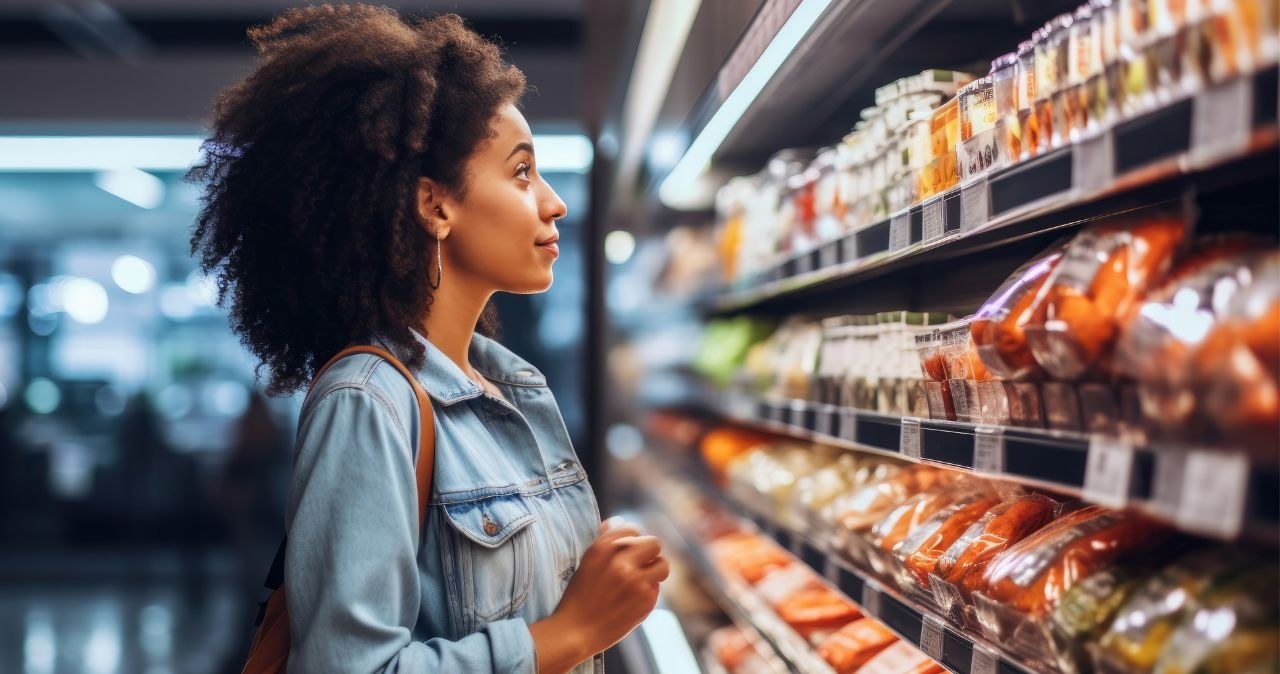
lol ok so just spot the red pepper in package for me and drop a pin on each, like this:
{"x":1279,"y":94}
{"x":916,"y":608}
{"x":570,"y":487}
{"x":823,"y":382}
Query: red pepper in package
{"x":851,"y":646}
{"x":1105,"y":270}
{"x":1031,"y":576}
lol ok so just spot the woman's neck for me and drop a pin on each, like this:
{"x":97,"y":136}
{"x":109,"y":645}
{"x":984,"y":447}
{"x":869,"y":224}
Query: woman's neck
{"x":455,"y":311}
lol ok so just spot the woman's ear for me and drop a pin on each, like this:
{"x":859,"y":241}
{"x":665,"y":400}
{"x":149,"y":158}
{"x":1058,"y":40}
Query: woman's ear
{"x":433,"y":212}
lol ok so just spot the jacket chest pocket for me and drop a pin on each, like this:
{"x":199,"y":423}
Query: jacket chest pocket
{"x":489,"y":557}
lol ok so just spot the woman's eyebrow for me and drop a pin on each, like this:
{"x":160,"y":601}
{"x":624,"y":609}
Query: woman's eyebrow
{"x":526,"y":146}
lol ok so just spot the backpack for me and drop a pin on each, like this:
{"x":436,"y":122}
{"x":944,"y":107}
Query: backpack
{"x":269,"y":651}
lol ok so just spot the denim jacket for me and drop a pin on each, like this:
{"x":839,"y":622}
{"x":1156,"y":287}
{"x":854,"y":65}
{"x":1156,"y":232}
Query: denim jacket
{"x":510,"y":516}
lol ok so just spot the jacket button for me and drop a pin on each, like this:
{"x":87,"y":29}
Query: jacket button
{"x":489,"y":527}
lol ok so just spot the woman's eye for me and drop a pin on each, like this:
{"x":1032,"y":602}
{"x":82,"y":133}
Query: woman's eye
{"x":522,"y":171}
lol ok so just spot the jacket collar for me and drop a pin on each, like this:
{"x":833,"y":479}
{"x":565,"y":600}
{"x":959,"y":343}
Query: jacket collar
{"x":445,"y":382}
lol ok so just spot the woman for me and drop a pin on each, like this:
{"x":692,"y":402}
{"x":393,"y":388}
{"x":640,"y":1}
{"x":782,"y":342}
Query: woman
{"x":372,"y":181}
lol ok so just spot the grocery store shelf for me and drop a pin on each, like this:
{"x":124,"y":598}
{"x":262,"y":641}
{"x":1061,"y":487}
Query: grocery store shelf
{"x":1187,"y":143}
{"x":1210,"y":492}
{"x":956,"y":650}
{"x":748,"y":612}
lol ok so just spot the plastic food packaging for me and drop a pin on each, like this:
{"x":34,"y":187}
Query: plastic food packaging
{"x":979,"y":149}
{"x":1142,"y":627}
{"x":1163,"y":336}
{"x":964,"y":368}
{"x":1028,"y":94}
{"x":1004,"y":84}
{"x":858,"y":511}
{"x":1049,"y":50}
{"x":784,"y":582}
{"x":721,"y":446}
{"x":942,"y":172}
{"x":998,"y":326}
{"x":878,"y":549}
{"x":1246,"y":601}
{"x":732,"y":649}
{"x":1084,"y":613}
{"x":851,"y":646}
{"x":815,"y":613}
{"x":1103,"y":273}
{"x":901,"y":658}
{"x":748,"y":556}
{"x":1106,"y":82}
{"x":1137,"y":92}
{"x":925,"y":546}
{"x":962,"y":564}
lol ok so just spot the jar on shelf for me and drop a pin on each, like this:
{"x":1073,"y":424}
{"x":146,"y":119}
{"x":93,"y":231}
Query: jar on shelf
{"x":1083,"y":64}
{"x":979,"y":149}
{"x":1028,"y":123}
{"x":1137,"y":94}
{"x":1004,"y":85}
{"x":1046,"y":85}
{"x":1060,"y":42}
{"x":1169,"y":48}
{"x":1105,"y":84}
{"x":828,"y":206}
{"x":941,"y":174}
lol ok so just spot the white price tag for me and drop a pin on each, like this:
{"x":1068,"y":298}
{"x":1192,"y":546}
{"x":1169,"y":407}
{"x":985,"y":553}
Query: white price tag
{"x":909,"y":441}
{"x":1221,"y":120}
{"x":985,"y":660}
{"x":931,"y":630}
{"x":1093,"y":162}
{"x":824,"y":420}
{"x":1170,"y":475}
{"x":795,"y":413}
{"x":934,"y":219}
{"x":899,"y":231}
{"x":849,"y":424}
{"x":1107,"y":472}
{"x":988,"y":449}
{"x":870,"y":599}
{"x":975,"y":205}
{"x":1214,"y":490}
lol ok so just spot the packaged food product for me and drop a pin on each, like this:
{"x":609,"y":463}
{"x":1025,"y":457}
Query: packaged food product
{"x":1137,"y":93}
{"x":942,"y":171}
{"x":965,"y":560}
{"x":1106,"y":82}
{"x":1004,"y":84}
{"x":978,"y":149}
{"x":1028,"y":94}
{"x":1162,"y":336}
{"x":963,"y":367}
{"x":1143,"y":625}
{"x":722,"y":445}
{"x":901,"y":658}
{"x":998,"y":326}
{"x":1084,"y":613}
{"x":748,"y":556}
{"x":1032,"y":575}
{"x":1232,"y":629}
{"x":784,"y":582}
{"x":815,"y":613}
{"x":1084,"y":65}
{"x":880,"y":548}
{"x":730,"y":647}
{"x":1238,"y":363}
{"x":851,"y":646}
{"x":861,"y":509}
{"x":924,"y":547}
{"x":1051,"y":69}
{"x":1103,"y":273}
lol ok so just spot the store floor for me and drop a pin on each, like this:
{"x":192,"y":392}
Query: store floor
{"x":158,"y":611}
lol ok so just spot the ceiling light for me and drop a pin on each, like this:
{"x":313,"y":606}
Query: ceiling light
{"x":133,"y":185}
{"x":563,"y":153}
{"x":680,"y":186}
{"x":133,"y":274}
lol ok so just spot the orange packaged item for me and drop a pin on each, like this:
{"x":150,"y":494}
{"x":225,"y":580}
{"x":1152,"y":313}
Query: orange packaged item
{"x":816,"y":612}
{"x":905,"y":518}
{"x":779,"y":584}
{"x":1033,"y":574}
{"x":1165,"y":345}
{"x":925,"y":546}
{"x":1105,"y":270}
{"x":851,"y":646}
{"x":730,"y":646}
{"x":747,"y":555}
{"x":901,"y":658}
{"x":866,"y":506}
{"x":1000,"y":527}
{"x":722,"y":445}
{"x":998,"y":327}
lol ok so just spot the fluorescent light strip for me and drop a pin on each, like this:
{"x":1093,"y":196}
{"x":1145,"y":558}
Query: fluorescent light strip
{"x":557,"y":153}
{"x":668,"y":644}
{"x":683,"y":177}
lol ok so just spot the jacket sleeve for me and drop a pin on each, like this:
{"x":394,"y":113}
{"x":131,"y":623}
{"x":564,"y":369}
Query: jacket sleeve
{"x":351,"y":573}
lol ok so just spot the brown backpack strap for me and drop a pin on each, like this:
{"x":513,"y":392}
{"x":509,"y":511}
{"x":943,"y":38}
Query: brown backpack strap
{"x":426,"y":448}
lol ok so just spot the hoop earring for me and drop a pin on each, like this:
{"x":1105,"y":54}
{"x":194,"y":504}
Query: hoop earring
{"x":439,"y":268}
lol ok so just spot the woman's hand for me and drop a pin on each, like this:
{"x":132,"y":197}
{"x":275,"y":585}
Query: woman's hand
{"x":613,"y":590}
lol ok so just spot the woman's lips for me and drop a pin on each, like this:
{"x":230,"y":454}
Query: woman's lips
{"x":552,"y":247}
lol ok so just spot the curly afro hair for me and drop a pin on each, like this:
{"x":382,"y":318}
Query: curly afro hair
{"x":309,"y":219}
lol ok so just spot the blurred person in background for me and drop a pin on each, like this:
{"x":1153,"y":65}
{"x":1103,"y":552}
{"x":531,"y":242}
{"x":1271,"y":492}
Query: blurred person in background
{"x":250,"y":495}
{"x":373,"y":181}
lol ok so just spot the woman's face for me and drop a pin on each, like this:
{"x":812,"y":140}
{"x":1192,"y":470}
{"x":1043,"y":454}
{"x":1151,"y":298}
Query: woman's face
{"x":500,"y":236}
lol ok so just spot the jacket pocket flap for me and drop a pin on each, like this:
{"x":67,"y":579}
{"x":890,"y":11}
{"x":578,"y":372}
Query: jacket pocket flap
{"x":490,"y":521}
